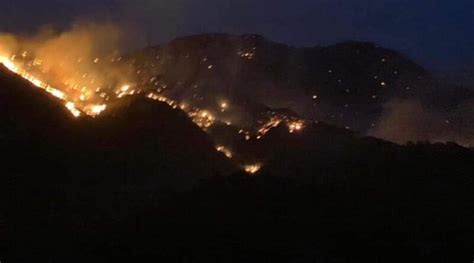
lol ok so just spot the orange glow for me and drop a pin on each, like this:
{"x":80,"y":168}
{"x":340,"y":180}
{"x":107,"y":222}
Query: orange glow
{"x":253,"y":168}
{"x":10,"y":65}
{"x":225,"y":151}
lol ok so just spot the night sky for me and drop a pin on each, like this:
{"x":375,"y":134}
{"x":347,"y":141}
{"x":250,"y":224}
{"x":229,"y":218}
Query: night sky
{"x":437,"y":33}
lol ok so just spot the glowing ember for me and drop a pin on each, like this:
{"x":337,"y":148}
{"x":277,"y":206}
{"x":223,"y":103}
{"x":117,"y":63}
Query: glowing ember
{"x":225,"y":151}
{"x":272,"y":123}
{"x":292,"y":123}
{"x":295,"y":126}
{"x":253,"y":168}
{"x":224,"y":106}
{"x":95,"y":110}
{"x":202,"y":118}
{"x":247,"y":55}
{"x":124,"y":88}
{"x":72,"y":108}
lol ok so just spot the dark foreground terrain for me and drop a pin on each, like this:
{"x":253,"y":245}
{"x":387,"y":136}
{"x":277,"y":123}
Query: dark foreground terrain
{"x":142,"y":183}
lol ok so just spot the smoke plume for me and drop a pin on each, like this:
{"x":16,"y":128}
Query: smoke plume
{"x":409,"y":120}
{"x":78,"y":61}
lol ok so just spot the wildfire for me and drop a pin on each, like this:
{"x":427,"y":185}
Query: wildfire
{"x":80,"y":103}
{"x":293,"y":124}
{"x":84,"y":92}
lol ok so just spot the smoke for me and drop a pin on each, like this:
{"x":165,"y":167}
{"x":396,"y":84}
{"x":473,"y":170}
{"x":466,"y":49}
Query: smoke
{"x":8,"y":44}
{"x":409,"y":120}
{"x":78,"y":61}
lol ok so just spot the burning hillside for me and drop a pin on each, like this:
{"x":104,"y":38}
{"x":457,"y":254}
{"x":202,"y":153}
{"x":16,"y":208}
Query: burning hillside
{"x":88,"y":80}
{"x":87,"y":77}
{"x":246,"y":82}
{"x":69,"y":65}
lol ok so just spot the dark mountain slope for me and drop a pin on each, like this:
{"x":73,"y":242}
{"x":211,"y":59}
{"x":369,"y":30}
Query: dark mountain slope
{"x":345,"y":84}
{"x":324,"y":195}
{"x":151,"y":134}
{"x":27,"y":112}
{"x":82,"y":174}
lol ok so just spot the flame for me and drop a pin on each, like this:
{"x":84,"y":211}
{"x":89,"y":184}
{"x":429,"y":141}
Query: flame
{"x":225,"y":151}
{"x":10,"y":65}
{"x":95,"y":110}
{"x":253,"y":168}
{"x":272,"y":123}
{"x":224,"y":106}
{"x":76,"y":104}
{"x":72,"y":108}
{"x":295,"y":126}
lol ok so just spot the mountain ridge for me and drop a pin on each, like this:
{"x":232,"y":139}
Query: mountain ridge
{"x":317,"y":83}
